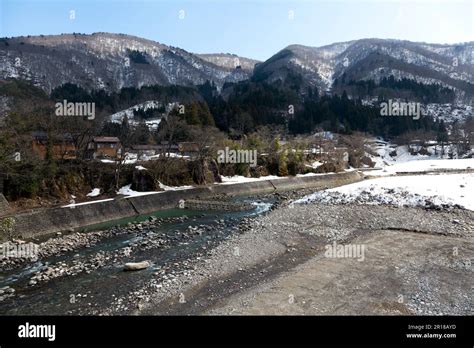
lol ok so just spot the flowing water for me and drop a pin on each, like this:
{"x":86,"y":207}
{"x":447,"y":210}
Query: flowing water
{"x":60,"y":295}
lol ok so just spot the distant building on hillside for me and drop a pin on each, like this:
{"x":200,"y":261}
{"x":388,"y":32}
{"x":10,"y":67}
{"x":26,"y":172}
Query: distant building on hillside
{"x":60,"y":146}
{"x":104,"y":147}
{"x":324,"y":135}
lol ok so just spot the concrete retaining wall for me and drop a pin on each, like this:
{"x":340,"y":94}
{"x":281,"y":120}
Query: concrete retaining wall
{"x":248,"y":188}
{"x":194,"y":204}
{"x":44,"y":221}
{"x":166,"y":200}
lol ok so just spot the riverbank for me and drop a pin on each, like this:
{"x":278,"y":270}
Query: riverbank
{"x":88,"y":266}
{"x":415,"y":260}
{"x":282,"y":268}
{"x":41,"y":222}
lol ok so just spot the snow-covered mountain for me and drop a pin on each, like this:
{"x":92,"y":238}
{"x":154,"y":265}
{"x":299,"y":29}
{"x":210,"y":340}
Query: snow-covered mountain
{"x":230,"y":61}
{"x":150,"y":104}
{"x":111,"y":61}
{"x":451,"y":66}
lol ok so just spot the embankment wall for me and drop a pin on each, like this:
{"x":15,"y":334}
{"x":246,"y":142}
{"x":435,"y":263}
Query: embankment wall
{"x":45,"y":221}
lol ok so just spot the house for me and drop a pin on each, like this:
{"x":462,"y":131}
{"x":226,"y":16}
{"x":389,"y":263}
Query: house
{"x":143,"y":150}
{"x":151,"y":150}
{"x":417,"y":146}
{"x":104,"y":147}
{"x":166,"y":147}
{"x":60,"y":146}
{"x":188,"y":148}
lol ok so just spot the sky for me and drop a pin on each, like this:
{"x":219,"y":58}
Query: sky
{"x":250,"y":28}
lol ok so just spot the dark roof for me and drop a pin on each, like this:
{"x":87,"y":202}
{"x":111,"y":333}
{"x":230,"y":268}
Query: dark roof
{"x":105,"y":140}
{"x":188,"y":146}
{"x":43,"y":136}
{"x":145,"y":147}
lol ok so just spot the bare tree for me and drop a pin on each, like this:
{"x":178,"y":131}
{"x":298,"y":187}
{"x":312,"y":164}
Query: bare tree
{"x":207,"y":141}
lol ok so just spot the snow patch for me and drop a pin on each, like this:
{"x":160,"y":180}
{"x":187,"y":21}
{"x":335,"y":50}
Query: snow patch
{"x":237,"y":179}
{"x":127,"y":191}
{"x":174,"y":188}
{"x":429,"y":191}
{"x":86,"y":203}
{"x":94,"y":193}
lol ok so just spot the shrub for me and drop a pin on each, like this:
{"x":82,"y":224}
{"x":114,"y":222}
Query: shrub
{"x":6,"y":227}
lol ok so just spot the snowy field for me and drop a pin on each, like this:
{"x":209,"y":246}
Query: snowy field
{"x":404,"y":161}
{"x":443,"y":190}
{"x":424,"y":165}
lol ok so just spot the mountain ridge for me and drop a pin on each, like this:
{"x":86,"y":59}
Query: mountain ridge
{"x":106,"y":61}
{"x":450,"y":65}
{"x":112,"y":61}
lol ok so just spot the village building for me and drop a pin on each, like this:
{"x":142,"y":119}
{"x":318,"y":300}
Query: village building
{"x":59,"y":146}
{"x":188,"y":148}
{"x":152,"y":150}
{"x":104,"y":147}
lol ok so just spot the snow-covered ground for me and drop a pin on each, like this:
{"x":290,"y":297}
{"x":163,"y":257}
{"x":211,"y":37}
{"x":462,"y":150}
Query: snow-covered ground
{"x":420,"y":190}
{"x":168,"y":155}
{"x":315,"y":164}
{"x":94,"y":193}
{"x":322,"y":174}
{"x":127,"y":191}
{"x":174,"y":188}
{"x":129,"y":113}
{"x":411,"y":190}
{"x":311,"y":174}
{"x":237,"y":179}
{"x":430,"y":164}
{"x":404,"y":161}
{"x":132,"y":158}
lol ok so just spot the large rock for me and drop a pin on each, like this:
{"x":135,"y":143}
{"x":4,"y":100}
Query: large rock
{"x":136,"y":266}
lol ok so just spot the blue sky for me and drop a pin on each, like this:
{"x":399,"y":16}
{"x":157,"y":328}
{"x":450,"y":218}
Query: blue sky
{"x":250,"y":28}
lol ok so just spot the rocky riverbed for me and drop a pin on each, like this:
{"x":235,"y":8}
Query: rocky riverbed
{"x":164,"y":243}
{"x":293,"y":235}
{"x":63,"y":244}
{"x":240,"y":264}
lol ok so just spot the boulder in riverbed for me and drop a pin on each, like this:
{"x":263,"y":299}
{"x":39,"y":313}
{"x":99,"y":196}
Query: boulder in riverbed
{"x":136,"y":266}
